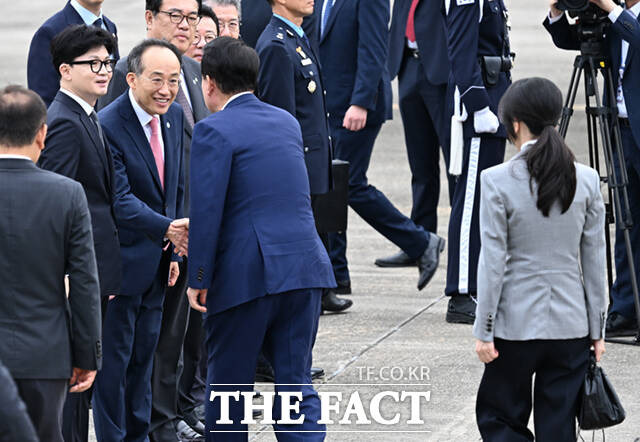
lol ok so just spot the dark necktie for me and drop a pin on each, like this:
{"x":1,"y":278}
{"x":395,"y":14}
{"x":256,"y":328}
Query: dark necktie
{"x":410,"y":32}
{"x":98,"y":23}
{"x":182,"y":99}
{"x":326,"y":15}
{"x":94,"y":118}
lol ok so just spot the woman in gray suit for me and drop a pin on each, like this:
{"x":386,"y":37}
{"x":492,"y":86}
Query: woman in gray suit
{"x":541,"y":281}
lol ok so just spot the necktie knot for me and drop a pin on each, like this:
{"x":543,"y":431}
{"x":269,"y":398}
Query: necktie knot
{"x":98,"y":22}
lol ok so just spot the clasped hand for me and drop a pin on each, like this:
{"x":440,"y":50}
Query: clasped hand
{"x":178,"y":234}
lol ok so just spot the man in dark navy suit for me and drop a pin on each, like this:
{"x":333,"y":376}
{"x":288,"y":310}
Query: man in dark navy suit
{"x":144,"y":131}
{"x":418,"y":56}
{"x":479,"y":55}
{"x":256,"y":15}
{"x":75,"y":147}
{"x":41,"y":74}
{"x":256,"y":258}
{"x":353,"y":38}
{"x":290,"y":78}
{"x":623,"y":46}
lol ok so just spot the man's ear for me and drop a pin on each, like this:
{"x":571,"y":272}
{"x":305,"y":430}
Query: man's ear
{"x":41,"y":135}
{"x":148,"y":18}
{"x":131,"y":80}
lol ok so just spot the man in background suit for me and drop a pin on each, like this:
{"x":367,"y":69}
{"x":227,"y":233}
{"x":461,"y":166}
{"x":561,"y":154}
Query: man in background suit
{"x":42,"y":76}
{"x":418,"y":57}
{"x":144,"y":131}
{"x":228,"y":13}
{"x":353,"y":38}
{"x":49,"y":338}
{"x":254,"y":244}
{"x":75,"y":147}
{"x":174,"y":21}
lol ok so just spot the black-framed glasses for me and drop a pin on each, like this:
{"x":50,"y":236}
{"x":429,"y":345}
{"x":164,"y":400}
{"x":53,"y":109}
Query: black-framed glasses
{"x":96,"y":65}
{"x":177,"y":17}
{"x":208,"y":37}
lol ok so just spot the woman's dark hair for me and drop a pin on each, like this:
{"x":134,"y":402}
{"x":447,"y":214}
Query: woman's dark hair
{"x":537,"y":102}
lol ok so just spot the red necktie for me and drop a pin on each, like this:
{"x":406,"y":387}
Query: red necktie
{"x":156,"y":148}
{"x":410,"y":33}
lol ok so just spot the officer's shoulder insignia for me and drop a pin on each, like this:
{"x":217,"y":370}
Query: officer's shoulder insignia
{"x":465,"y":2}
{"x":280,"y":36}
{"x":289,"y":33}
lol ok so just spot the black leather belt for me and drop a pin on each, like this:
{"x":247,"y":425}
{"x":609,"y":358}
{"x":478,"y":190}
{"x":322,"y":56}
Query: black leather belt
{"x":412,"y":52}
{"x":624,"y":122}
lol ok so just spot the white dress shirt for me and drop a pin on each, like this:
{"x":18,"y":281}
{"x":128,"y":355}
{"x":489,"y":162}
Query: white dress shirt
{"x":85,"y":106}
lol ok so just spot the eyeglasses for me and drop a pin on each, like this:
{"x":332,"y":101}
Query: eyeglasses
{"x":231,"y":25}
{"x":177,"y":18}
{"x":207,"y":38}
{"x":157,"y":82}
{"x":96,"y":65}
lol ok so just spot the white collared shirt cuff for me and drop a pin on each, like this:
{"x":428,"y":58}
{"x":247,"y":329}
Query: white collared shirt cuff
{"x":613,"y":15}
{"x":553,"y":19}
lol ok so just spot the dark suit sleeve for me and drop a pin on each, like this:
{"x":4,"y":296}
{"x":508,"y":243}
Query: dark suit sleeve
{"x":563,"y":34}
{"x":61,"y":153}
{"x":181,"y":184}
{"x":211,"y":162}
{"x":628,"y":28}
{"x":15,"y":424}
{"x":373,"y":47}
{"x":84,"y":289}
{"x":130,"y":211}
{"x":117,"y":86}
{"x":276,"y":79}
{"x":41,"y":75}
{"x":463,"y":24}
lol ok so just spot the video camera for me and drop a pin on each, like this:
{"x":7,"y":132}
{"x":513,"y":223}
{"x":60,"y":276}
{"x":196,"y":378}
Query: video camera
{"x":593,"y":23}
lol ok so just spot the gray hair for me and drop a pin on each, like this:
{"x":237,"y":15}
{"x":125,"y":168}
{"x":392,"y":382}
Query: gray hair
{"x":235,"y":3}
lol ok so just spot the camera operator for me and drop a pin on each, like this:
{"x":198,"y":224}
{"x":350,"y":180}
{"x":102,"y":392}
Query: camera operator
{"x":621,"y":43}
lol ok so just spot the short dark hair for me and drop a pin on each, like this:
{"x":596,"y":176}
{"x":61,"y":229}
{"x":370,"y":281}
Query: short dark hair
{"x":155,"y":5}
{"x":22,"y":114}
{"x":134,"y":59}
{"x":206,"y":11}
{"x":76,"y":40}
{"x":232,"y":64}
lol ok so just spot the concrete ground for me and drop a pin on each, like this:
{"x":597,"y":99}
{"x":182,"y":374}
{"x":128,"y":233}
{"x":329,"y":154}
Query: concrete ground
{"x":393,"y":334}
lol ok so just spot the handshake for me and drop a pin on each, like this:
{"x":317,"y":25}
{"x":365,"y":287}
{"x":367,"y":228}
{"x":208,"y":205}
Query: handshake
{"x":178,"y":234}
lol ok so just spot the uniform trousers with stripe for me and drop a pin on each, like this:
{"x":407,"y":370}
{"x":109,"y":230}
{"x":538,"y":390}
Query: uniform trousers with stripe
{"x":464,"y":229}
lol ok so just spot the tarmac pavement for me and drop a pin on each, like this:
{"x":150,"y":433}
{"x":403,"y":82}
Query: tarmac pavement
{"x":393,"y":334}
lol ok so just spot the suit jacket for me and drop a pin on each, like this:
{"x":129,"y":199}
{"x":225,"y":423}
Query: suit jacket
{"x":290,"y":79}
{"x":431,"y":37}
{"x":256,"y":15}
{"x":143,"y":209}
{"x":252,"y":232}
{"x":46,"y":229}
{"x":539,"y":277}
{"x":193,"y":79}
{"x":353,"y":53}
{"x":626,"y":27}
{"x":42,"y":76}
{"x":73,"y":149}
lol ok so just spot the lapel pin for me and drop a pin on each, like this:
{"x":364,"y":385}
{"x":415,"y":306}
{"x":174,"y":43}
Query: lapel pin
{"x":168,"y":125}
{"x":195,"y":80}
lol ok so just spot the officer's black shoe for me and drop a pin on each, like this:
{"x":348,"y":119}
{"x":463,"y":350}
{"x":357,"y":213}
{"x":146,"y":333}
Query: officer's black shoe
{"x":344,"y":288}
{"x":331,"y":302}
{"x":618,"y":325}
{"x":194,"y":422}
{"x":186,"y":434}
{"x":399,"y":259}
{"x":461,"y":310}
{"x":428,"y":262}
{"x":316,"y":373}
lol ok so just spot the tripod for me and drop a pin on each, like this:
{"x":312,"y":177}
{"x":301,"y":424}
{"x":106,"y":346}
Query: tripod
{"x":604,"y":119}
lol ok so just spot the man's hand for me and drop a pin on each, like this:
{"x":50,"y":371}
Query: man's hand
{"x":355,"y":119}
{"x":486,"y":351}
{"x":174,"y":272}
{"x":178,"y":234}
{"x":198,"y":299}
{"x":554,"y":11}
{"x":81,"y":380}
{"x":605,"y":5}
{"x":485,"y":121}
{"x":598,"y":349}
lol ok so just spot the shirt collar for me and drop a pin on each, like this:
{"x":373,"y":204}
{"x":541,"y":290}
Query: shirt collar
{"x":293,"y":26}
{"x":13,"y":156}
{"x":635,"y":9}
{"x":85,"y":106}
{"x":527,"y":145}
{"x":234,"y":97}
{"x":142,"y":114}
{"x":87,"y":16}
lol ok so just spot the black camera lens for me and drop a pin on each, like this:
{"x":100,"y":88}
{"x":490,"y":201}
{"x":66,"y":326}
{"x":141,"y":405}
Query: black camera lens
{"x":572,"y":5}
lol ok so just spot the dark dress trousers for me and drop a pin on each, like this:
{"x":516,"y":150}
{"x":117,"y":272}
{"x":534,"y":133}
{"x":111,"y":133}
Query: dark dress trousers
{"x":626,"y":27}
{"x":144,"y":210}
{"x":169,"y":402}
{"x":353,"y":53}
{"x":15,"y":423}
{"x":465,"y":30}
{"x":254,"y":246}
{"x":76,"y":149}
{"x":422,"y":74}
{"x":41,"y":74}
{"x":44,"y":332}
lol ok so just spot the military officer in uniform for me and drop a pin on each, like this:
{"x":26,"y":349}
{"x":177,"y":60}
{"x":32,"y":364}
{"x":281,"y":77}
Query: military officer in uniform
{"x":480,"y":60}
{"x":290,"y":79}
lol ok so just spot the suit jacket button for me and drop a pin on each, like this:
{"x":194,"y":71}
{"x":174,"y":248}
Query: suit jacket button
{"x":306,"y":149}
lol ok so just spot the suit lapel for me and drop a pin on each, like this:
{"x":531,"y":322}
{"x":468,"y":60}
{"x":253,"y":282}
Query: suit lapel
{"x":72,"y":16}
{"x":332,"y":19}
{"x":194,"y":87}
{"x":169,"y":141}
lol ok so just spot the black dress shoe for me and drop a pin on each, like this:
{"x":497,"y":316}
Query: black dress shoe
{"x":331,"y":302}
{"x":399,"y":259}
{"x":344,"y":287}
{"x":186,"y":434}
{"x":194,"y":422}
{"x":618,"y":325}
{"x":316,"y":373}
{"x":428,"y":262}
{"x":461,"y":310}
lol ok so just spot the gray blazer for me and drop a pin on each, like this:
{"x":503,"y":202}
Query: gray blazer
{"x":539,"y":278}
